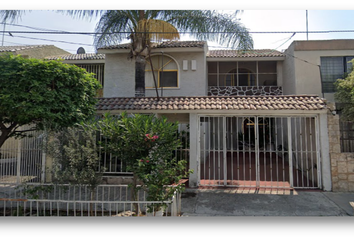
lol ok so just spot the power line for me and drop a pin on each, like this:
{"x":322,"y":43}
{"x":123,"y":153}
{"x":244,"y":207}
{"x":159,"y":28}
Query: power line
{"x":42,"y":39}
{"x":35,"y":28}
{"x":122,"y":32}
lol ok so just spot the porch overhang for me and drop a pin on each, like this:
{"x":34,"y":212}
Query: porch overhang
{"x":259,"y":105}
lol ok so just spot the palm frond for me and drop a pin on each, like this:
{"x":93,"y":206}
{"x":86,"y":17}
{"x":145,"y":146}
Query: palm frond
{"x":110,"y":27}
{"x":158,"y":30}
{"x":211,"y":25}
{"x":84,"y":14}
{"x":11,"y":15}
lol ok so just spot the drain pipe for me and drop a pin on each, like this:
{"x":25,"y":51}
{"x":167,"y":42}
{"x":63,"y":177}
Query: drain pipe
{"x":161,"y":83}
{"x":319,"y":67}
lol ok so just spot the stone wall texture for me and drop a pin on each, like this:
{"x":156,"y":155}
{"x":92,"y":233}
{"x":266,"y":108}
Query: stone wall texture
{"x":342,"y":164}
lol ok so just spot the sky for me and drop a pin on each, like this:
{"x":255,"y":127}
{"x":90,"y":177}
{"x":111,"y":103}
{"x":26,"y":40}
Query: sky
{"x":256,"y":18}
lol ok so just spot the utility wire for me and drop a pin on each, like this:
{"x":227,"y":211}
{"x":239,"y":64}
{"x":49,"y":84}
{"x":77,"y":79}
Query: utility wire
{"x":119,"y":32}
{"x":75,"y":43}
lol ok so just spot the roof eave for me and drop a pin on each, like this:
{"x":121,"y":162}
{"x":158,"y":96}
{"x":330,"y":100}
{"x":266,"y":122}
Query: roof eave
{"x":225,"y":112}
{"x":227,"y":59}
{"x":84,"y":61}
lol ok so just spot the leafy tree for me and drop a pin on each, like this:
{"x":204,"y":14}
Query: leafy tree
{"x":344,"y":96}
{"x":146,"y":144}
{"x":43,"y":94}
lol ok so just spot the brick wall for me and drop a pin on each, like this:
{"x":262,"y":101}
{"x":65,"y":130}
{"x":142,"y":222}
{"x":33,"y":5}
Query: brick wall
{"x":342,"y":164}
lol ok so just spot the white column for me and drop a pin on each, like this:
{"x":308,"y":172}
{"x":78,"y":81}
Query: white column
{"x":324,"y":148}
{"x":193,"y":152}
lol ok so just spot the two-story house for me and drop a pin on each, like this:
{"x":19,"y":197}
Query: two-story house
{"x":259,"y":118}
{"x":244,"y":132}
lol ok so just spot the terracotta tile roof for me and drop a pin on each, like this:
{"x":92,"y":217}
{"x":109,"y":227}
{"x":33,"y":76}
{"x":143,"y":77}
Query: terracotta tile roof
{"x":170,"y":44}
{"x":247,"y":53}
{"x":18,"y":48}
{"x":303,"y":102}
{"x":85,"y":56}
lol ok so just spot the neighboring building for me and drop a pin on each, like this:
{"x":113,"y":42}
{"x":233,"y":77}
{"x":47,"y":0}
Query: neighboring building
{"x":33,"y":51}
{"x":91,"y":62}
{"x":312,"y":67}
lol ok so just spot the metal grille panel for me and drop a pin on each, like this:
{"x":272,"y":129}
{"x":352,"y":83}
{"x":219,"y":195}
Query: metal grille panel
{"x":254,"y":151}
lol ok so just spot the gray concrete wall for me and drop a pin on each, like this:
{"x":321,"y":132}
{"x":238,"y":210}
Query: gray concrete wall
{"x":120,"y":76}
{"x":289,"y":86}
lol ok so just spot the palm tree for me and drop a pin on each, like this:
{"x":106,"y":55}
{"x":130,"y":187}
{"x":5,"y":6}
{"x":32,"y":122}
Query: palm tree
{"x":144,"y":27}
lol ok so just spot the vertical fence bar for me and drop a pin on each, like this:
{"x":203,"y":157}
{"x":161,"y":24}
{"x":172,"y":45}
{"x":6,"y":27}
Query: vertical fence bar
{"x":224,"y":149}
{"x":290,"y":153}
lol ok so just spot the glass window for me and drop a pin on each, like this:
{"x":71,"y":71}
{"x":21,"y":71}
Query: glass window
{"x":333,"y":68}
{"x":164,"y":71}
{"x":168,"y":79}
{"x":253,"y":73}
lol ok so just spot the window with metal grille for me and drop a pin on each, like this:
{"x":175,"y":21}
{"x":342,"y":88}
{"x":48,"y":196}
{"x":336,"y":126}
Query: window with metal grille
{"x":346,"y":136}
{"x":346,"y":129}
{"x":98,"y":70}
{"x":333,"y":68}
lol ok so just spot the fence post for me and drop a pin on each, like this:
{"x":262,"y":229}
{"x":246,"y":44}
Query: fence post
{"x":43,"y":174}
{"x":18,"y":164}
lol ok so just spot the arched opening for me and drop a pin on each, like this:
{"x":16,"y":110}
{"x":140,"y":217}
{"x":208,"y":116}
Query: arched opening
{"x":165,"y":70}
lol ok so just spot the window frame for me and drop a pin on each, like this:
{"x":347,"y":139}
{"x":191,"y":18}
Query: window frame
{"x":253,"y":75}
{"x":326,"y":71}
{"x":161,"y":69}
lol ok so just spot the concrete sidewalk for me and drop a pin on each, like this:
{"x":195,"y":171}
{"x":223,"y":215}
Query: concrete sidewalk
{"x":231,"y":202}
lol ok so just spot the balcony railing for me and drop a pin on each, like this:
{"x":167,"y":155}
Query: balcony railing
{"x":245,"y":91}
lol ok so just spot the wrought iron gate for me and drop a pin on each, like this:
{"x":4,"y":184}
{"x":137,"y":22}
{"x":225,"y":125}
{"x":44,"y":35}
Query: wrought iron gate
{"x":259,"y":151}
{"x":23,"y":159}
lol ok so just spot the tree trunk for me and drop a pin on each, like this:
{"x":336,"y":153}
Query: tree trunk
{"x":140,"y":63}
{"x":5,"y":132}
{"x":134,"y":196}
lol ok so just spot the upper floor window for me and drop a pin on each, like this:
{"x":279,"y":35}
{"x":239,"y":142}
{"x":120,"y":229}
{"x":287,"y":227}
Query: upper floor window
{"x":333,"y":68}
{"x":98,"y":70}
{"x":164,"y":71}
{"x":239,"y":77}
{"x":261,"y":73}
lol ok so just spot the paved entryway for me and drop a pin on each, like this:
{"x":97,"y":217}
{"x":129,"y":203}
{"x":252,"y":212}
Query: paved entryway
{"x":248,"y":202}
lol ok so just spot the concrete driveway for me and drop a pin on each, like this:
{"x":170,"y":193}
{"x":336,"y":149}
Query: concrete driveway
{"x":231,"y":202}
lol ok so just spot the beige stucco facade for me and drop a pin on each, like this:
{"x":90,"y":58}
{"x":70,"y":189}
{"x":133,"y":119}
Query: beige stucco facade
{"x":302,"y":65}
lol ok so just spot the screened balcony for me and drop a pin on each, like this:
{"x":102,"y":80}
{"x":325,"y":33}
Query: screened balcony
{"x":243,"y":78}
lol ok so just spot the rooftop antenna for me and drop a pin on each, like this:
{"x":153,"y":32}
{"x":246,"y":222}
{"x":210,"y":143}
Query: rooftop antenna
{"x":307,"y":26}
{"x":3,"y":34}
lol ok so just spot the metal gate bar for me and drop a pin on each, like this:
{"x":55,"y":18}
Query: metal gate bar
{"x":259,"y":151}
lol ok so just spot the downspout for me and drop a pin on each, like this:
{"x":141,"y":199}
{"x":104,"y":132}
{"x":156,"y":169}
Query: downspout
{"x":161,"y":85}
{"x":319,"y":67}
